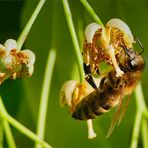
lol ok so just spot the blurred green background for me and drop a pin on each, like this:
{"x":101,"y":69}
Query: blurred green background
{"x":21,"y":97}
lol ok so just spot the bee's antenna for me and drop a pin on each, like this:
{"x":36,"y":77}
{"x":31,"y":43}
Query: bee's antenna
{"x":140,"y":44}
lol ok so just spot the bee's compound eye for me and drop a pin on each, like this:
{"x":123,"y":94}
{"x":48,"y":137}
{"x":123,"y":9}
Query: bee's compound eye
{"x":66,"y":92}
{"x":132,"y":64}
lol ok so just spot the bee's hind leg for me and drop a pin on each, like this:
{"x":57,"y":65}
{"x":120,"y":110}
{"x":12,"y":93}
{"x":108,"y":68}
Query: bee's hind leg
{"x":88,"y":76}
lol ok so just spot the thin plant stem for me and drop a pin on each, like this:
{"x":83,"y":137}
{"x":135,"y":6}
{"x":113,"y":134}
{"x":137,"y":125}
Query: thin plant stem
{"x":74,"y":38}
{"x":9,"y":135}
{"x":20,"y":127}
{"x":80,"y":33}
{"x":28,"y":26}
{"x":145,"y":114}
{"x":141,"y":105}
{"x":141,"y":108}
{"x":136,"y":129}
{"x":144,"y":130}
{"x":7,"y":129}
{"x":92,"y":12}
{"x":1,"y":133}
{"x":45,"y":95}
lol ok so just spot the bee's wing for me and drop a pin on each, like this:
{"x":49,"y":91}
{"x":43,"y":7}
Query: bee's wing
{"x":124,"y":109}
{"x":116,"y":116}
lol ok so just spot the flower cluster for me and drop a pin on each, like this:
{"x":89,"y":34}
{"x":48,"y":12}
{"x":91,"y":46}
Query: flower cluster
{"x":15,"y":63}
{"x":106,"y":44}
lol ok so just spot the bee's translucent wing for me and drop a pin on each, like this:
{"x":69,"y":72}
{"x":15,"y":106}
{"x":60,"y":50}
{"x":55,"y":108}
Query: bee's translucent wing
{"x":116,"y":115}
{"x":124,"y":109}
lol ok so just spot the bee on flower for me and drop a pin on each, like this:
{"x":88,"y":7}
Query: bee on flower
{"x":89,"y":99}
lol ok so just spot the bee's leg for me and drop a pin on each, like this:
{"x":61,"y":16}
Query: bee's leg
{"x":98,"y":72}
{"x":88,"y":76}
{"x":123,"y":68}
{"x":111,"y":80}
{"x":102,"y":83}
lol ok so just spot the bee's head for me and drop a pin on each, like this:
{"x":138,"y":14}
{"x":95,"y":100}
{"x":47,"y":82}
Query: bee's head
{"x":134,"y":60}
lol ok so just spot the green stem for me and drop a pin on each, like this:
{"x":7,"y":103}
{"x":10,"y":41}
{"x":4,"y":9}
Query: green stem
{"x":9,"y":135}
{"x":20,"y":127}
{"x":8,"y":132}
{"x":1,"y":132}
{"x":144,"y":129}
{"x":141,"y":105}
{"x":74,"y":38}
{"x":28,"y":26}
{"x":136,"y":129}
{"x":45,"y":94}
{"x":92,"y":12}
{"x":145,"y":114}
{"x":81,"y":33}
{"x":141,"y":108}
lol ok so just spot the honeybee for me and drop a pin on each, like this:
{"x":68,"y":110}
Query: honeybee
{"x":86,"y":103}
{"x":111,"y":91}
{"x":93,"y":98}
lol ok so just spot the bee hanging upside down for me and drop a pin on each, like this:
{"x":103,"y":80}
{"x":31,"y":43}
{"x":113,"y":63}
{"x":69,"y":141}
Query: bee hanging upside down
{"x":112,"y":89}
{"x":111,"y":92}
{"x":88,"y":101}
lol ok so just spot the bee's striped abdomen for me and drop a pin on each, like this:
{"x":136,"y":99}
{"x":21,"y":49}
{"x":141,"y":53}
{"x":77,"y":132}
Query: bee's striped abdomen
{"x":100,"y":100}
{"x":91,"y":106}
